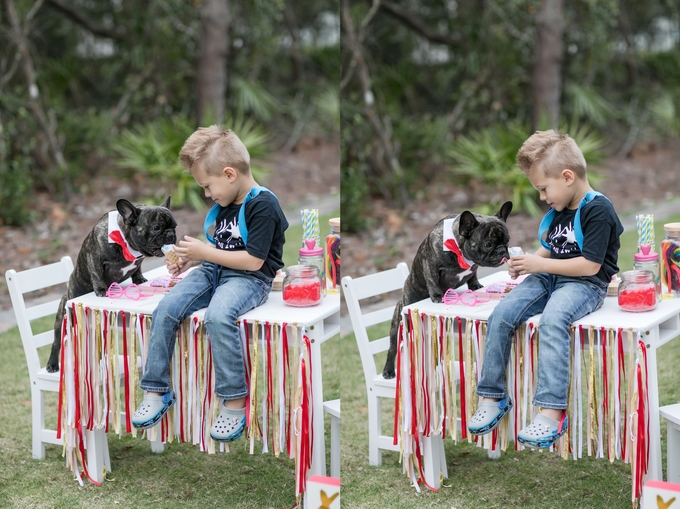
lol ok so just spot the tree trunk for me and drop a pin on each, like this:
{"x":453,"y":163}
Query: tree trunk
{"x":212,"y":63}
{"x":546,"y":79}
{"x":295,"y":50}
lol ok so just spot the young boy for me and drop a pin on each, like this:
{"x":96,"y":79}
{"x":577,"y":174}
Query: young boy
{"x":235,"y":275}
{"x":568,"y":279}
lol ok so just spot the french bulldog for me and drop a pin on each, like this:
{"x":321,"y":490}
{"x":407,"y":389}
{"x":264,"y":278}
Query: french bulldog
{"x":480,"y":241}
{"x":112,"y":252}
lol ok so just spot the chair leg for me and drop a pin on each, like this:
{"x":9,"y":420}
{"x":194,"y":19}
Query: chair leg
{"x":335,"y":446}
{"x":673,"y":456}
{"x":38,"y":423}
{"x":374,"y":452}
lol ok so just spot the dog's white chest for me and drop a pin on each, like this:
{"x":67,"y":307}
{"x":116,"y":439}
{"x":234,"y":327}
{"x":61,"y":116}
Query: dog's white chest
{"x":130,"y":268}
{"x":462,"y":276}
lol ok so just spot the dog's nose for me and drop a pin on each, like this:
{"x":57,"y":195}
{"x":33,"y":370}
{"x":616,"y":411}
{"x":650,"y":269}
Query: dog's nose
{"x":170,"y":237}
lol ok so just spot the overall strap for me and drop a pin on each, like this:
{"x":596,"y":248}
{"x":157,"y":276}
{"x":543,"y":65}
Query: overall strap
{"x":242,"y":226}
{"x":578,"y":231}
{"x":211,"y":216}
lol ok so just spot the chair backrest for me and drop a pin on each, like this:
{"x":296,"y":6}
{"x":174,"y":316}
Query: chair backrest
{"x":21,"y":283}
{"x":364,"y":287}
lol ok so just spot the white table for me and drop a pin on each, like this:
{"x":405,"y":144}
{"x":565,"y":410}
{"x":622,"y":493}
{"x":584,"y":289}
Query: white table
{"x":656,"y":327}
{"x":318,"y":323}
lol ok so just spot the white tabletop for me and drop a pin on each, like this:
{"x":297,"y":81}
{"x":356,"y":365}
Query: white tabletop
{"x":608,"y":316}
{"x":274,"y":310}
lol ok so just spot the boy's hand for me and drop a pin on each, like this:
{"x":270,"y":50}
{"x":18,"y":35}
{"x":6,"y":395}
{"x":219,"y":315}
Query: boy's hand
{"x":191,"y":249}
{"x":175,"y":269}
{"x":525,"y":264}
{"x":514,"y":274}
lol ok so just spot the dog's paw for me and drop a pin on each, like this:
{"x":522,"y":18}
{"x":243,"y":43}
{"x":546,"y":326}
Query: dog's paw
{"x":388,"y":374}
{"x":139,"y":280}
{"x":475,"y":286}
{"x":52,"y":367}
{"x":99,"y":292}
{"x":437,"y":299}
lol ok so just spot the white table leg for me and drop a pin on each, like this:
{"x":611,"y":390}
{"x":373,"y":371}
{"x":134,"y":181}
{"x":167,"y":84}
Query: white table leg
{"x":315,"y":332}
{"x":655,"y":472}
{"x":95,"y":443}
{"x":157,"y":446}
{"x":433,"y":450}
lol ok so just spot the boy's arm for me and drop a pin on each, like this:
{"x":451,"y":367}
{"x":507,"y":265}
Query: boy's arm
{"x":574,"y":267}
{"x":195,"y":250}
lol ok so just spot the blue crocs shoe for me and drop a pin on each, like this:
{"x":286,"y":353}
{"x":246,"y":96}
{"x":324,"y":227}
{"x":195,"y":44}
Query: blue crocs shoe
{"x":543,"y":432}
{"x":226,"y":427}
{"x":152,"y":409}
{"x":488,"y":415}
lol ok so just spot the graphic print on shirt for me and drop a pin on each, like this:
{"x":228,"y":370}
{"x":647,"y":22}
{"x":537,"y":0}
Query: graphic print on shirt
{"x":563,"y":239}
{"x":228,"y":235}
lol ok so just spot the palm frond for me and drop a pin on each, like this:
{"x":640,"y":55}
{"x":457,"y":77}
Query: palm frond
{"x":250,"y":96}
{"x":586,"y":103}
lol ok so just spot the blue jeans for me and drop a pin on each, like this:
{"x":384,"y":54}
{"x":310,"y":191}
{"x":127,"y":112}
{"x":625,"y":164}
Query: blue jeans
{"x":237,"y":293}
{"x":562,"y":300}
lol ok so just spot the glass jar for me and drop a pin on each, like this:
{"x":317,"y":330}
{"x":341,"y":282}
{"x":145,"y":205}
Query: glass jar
{"x":648,"y":260}
{"x":332,"y":256}
{"x":637,"y":291}
{"x":313,"y":255}
{"x":670,"y":259}
{"x":302,"y":286}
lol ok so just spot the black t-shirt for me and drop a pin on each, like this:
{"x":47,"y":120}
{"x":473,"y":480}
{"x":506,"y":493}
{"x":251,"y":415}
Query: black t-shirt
{"x":266,"y":226}
{"x":601,"y":231}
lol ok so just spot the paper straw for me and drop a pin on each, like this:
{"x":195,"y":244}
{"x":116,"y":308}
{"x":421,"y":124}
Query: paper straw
{"x":310,"y":225}
{"x":645,"y":228}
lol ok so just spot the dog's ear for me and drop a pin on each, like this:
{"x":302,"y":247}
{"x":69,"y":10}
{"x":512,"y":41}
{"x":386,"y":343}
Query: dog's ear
{"x":467,"y":223}
{"x":127,"y":210}
{"x":166,"y":203}
{"x":504,"y":212}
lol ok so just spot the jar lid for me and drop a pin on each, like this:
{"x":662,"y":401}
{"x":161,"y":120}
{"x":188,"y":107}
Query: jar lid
{"x":311,"y":249}
{"x":646,"y":255}
{"x":334,"y":222}
{"x":672,"y":227}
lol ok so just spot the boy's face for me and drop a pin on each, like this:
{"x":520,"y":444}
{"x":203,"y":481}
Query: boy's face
{"x":558,"y":192}
{"x":220,"y":187}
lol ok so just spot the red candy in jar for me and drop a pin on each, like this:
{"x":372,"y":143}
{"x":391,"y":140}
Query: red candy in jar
{"x":637,"y":291}
{"x":302,"y":286}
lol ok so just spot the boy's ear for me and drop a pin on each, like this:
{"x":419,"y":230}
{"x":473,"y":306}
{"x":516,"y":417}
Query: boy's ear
{"x":568,"y":175}
{"x":229,"y":172}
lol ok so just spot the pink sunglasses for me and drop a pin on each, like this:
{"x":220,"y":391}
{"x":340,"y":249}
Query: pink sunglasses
{"x":132,"y":291}
{"x":468,"y":297}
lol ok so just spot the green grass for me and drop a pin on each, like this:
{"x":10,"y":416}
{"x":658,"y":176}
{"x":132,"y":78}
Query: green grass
{"x":519,"y":479}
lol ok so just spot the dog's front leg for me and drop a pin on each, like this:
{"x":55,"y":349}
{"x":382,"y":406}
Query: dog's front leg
{"x":98,"y":283}
{"x":473,"y":283}
{"x":137,"y":277}
{"x":433,"y":282}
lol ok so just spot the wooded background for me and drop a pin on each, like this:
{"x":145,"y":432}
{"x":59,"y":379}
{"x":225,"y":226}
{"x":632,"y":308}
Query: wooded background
{"x":90,"y":86}
{"x":450,"y":89}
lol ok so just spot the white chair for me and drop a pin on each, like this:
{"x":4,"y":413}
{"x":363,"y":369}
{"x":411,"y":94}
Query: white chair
{"x":332,"y":408}
{"x":19,"y":284}
{"x":672,"y":415}
{"x":377,"y":387}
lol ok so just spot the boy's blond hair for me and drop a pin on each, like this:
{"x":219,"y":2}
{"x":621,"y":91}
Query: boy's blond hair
{"x":213,"y":149}
{"x":551,"y":152}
